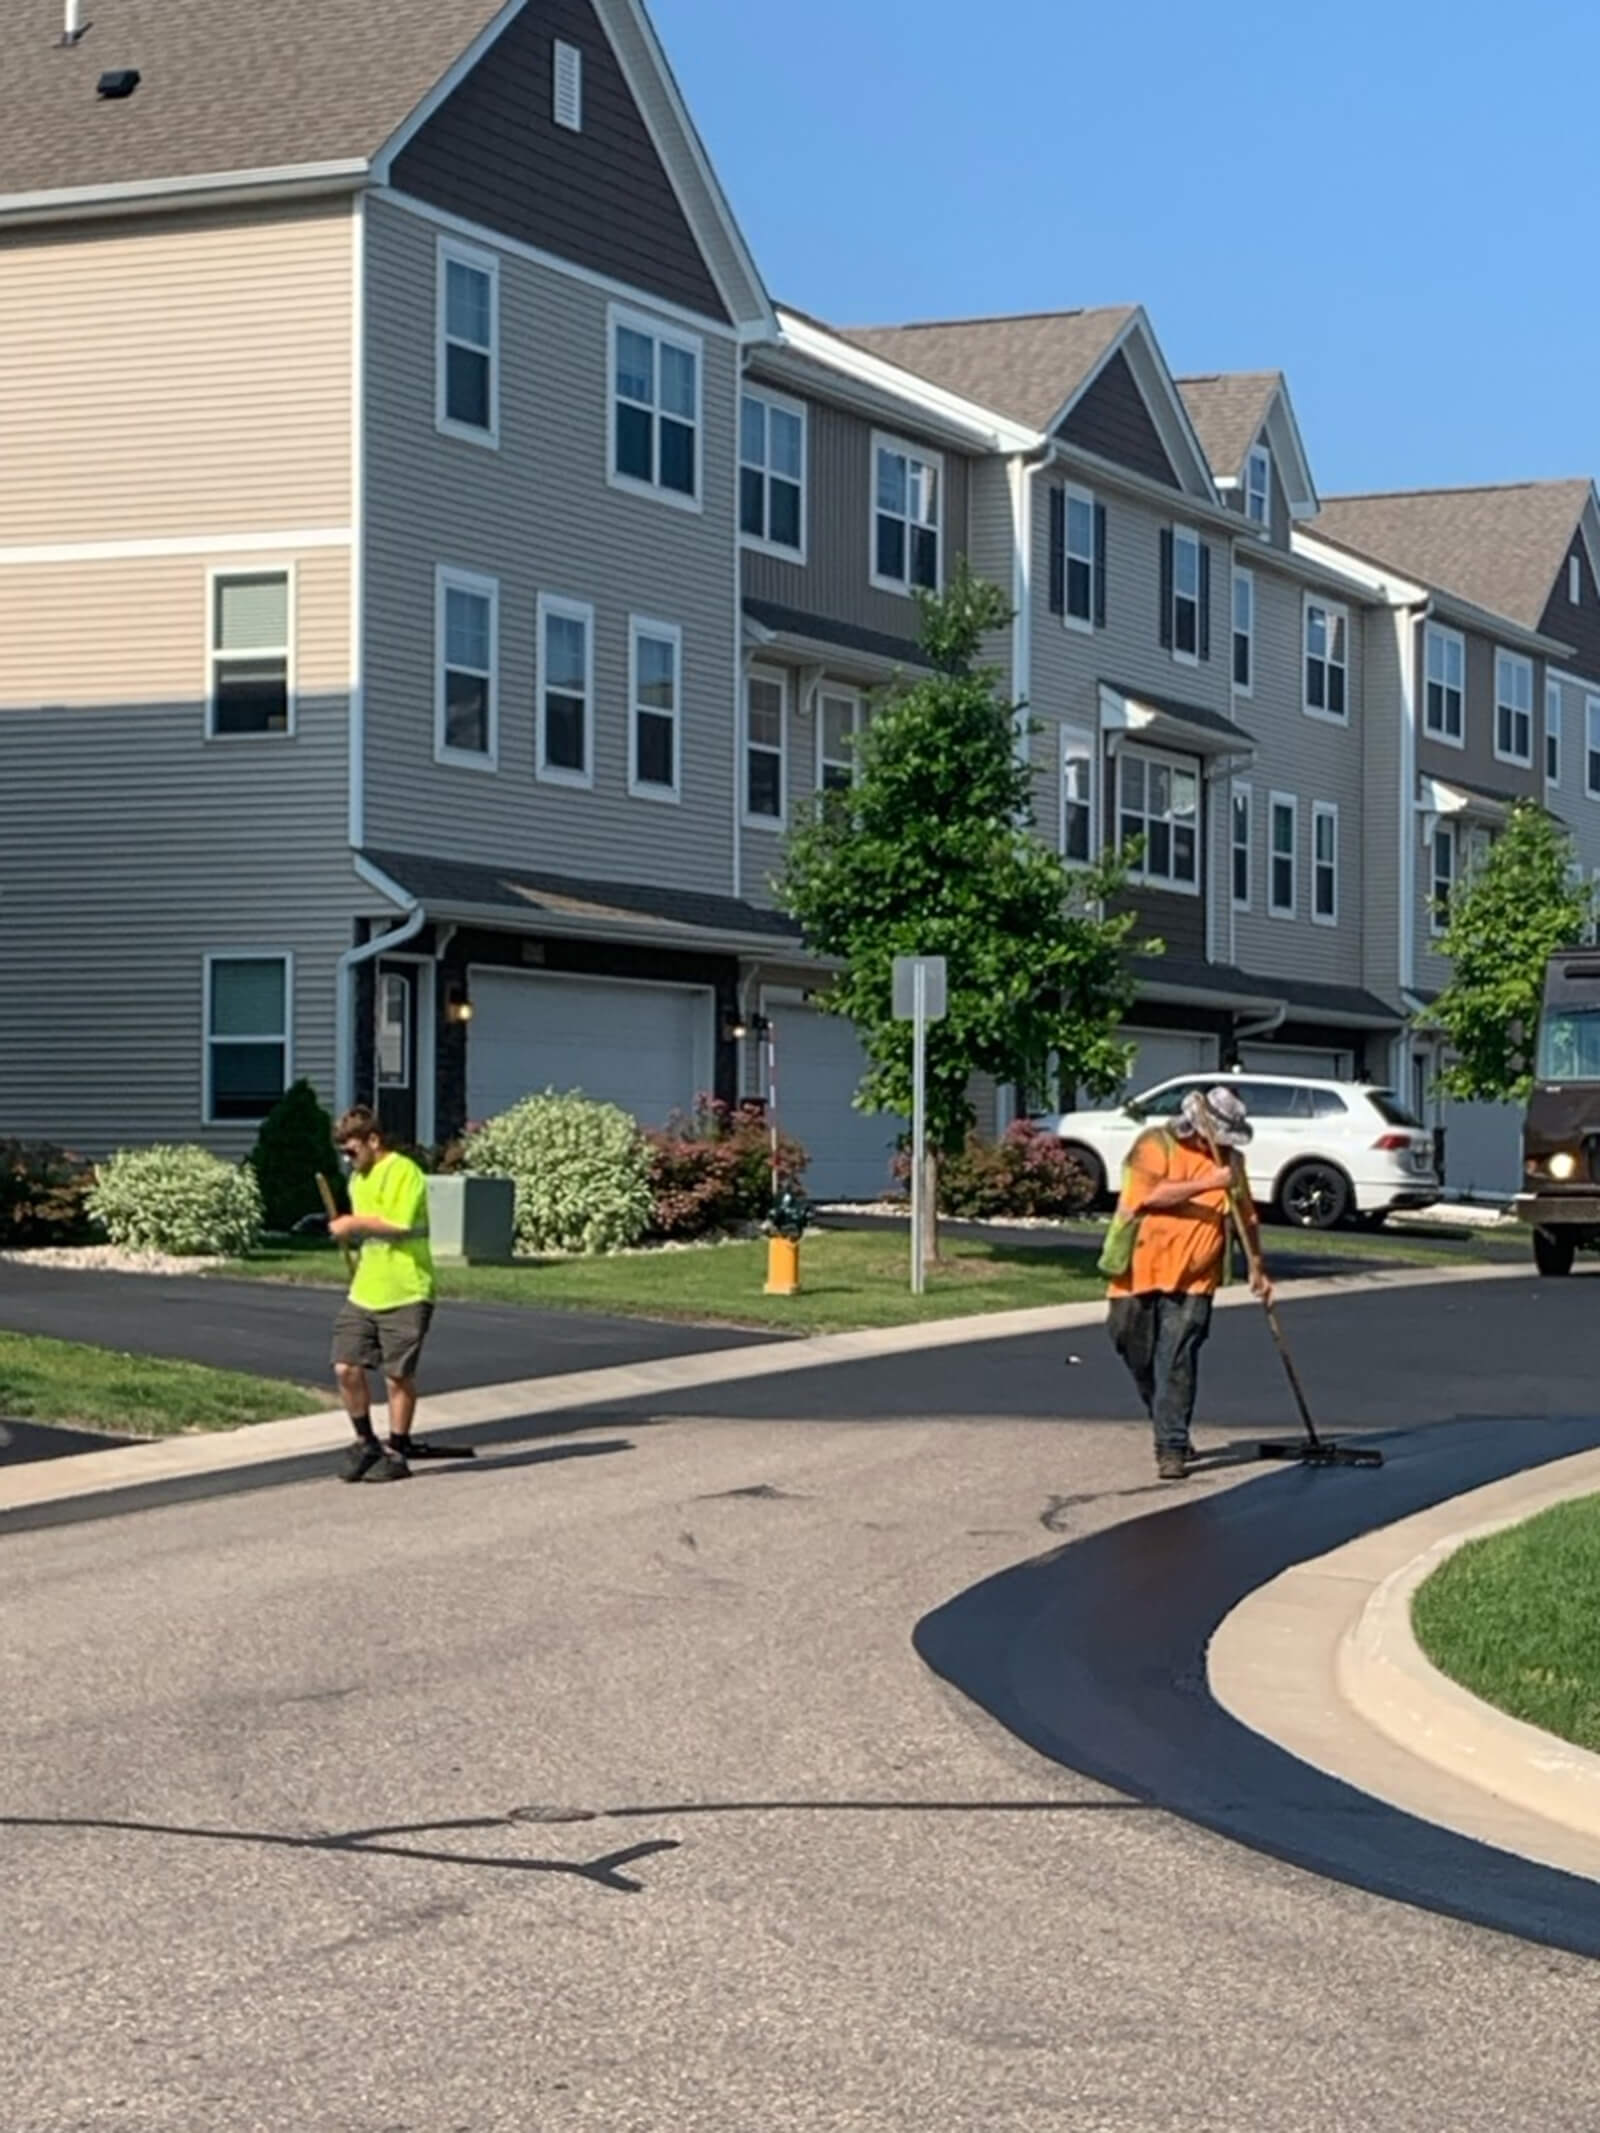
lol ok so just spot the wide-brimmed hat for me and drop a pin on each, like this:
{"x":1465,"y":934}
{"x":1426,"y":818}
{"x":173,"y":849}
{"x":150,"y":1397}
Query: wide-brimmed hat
{"x":1217,"y":1113}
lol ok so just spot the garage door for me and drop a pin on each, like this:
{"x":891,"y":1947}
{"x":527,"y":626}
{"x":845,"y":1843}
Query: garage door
{"x":820,"y":1067}
{"x":1291,"y":1059}
{"x":645,"y":1047}
{"x":1163,"y":1053}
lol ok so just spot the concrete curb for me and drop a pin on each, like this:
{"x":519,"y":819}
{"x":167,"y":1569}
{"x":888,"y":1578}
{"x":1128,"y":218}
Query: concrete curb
{"x":1323,"y":1662}
{"x":170,"y":1459}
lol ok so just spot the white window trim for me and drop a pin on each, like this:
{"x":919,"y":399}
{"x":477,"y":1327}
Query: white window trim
{"x":1242,"y":577}
{"x":1078,"y":741}
{"x":1437,"y":926}
{"x":285,"y":1037}
{"x":217,"y":575}
{"x":563,"y":49}
{"x":1181,"y":534}
{"x":448,"y":579}
{"x":1432,"y":631}
{"x":1591,"y":744}
{"x":1258,"y":456}
{"x":1189,"y":768}
{"x":1331,"y":609}
{"x":1503,"y":663}
{"x":646,"y":626}
{"x":758,"y":545}
{"x":842,"y":694}
{"x":1324,"y":811}
{"x":548,"y":773}
{"x":1553,"y":731}
{"x":777,"y":822}
{"x":467,"y":255}
{"x":884,"y":440}
{"x":1290,"y":801}
{"x":1241,"y":788}
{"x":658,"y":329}
{"x":1082,"y":624}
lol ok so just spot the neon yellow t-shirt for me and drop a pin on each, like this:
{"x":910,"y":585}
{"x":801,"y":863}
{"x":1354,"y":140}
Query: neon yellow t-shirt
{"x":393,"y":1270}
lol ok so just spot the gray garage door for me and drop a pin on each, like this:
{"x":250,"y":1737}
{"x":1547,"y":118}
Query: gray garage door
{"x":645,"y":1047}
{"x":820,"y":1065}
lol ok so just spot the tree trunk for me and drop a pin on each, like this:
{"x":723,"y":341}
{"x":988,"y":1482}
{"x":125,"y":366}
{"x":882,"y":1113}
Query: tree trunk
{"x":930,"y":1209}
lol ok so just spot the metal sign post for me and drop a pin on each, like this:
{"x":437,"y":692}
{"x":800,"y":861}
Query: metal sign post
{"x":920,"y":991}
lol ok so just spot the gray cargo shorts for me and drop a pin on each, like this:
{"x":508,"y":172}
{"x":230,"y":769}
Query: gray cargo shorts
{"x":390,"y":1341}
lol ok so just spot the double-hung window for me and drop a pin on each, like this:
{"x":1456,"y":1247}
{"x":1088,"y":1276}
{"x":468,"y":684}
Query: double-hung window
{"x":765,"y":700}
{"x":1591,"y":746}
{"x":249,"y":689}
{"x":248,"y":1047}
{"x":1241,"y":812}
{"x":772,"y":474}
{"x":1444,"y":715}
{"x":1159,"y":803}
{"x":466,"y":365}
{"x":1283,"y":855}
{"x":466,"y":713}
{"x":1513,"y":707}
{"x":838,"y":718}
{"x":655,"y":409}
{"x":1078,"y":591}
{"x":564,"y":691}
{"x":655,"y":687}
{"x":1077,"y":796}
{"x":907,"y":510}
{"x":1444,"y":876}
{"x":1244,"y":631}
{"x":1552,"y":732}
{"x":1327,"y":631}
{"x":1258,"y":487}
{"x":1186,"y":591}
{"x":1324,"y":863}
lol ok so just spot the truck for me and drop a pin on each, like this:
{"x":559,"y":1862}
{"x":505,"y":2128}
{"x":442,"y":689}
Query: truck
{"x":1560,"y":1196}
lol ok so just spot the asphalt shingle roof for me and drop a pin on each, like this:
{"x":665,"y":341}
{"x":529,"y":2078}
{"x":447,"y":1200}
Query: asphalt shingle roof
{"x":1227,"y":410}
{"x":530,"y":894}
{"x":227,"y":85}
{"x":1499,"y":547}
{"x":1025,"y":367}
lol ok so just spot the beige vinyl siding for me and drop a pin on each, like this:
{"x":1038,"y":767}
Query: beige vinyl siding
{"x":1386,"y":815}
{"x":134,"y":847}
{"x":176,"y":376}
{"x":538,"y":515}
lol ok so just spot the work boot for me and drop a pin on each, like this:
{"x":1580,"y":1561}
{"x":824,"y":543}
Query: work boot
{"x":360,"y":1458}
{"x":388,"y":1467}
{"x":1170,"y":1464}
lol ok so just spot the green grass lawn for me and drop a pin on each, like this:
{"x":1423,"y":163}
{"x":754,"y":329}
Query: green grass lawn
{"x":1512,"y":1618}
{"x":135,"y":1395}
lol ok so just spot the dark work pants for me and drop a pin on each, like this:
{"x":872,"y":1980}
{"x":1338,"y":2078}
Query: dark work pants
{"x":1159,"y":1338}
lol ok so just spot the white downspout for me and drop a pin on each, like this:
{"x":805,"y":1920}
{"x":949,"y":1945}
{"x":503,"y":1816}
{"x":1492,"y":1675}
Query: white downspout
{"x":344,"y":995}
{"x":356,"y":767}
{"x":741,"y":359}
{"x":1409,"y":620}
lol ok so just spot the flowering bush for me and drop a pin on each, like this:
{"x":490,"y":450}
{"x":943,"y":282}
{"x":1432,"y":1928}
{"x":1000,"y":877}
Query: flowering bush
{"x":1024,"y":1172}
{"x":581,"y":1171}
{"x":179,"y":1200}
{"x":712,"y":1169}
{"x":43,"y":1190}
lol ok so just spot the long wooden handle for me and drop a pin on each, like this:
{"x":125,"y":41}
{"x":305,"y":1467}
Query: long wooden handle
{"x":332,"y":1205}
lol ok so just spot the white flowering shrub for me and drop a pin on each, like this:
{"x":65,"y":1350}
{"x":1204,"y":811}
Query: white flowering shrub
{"x":179,"y":1200}
{"x":581,"y":1171}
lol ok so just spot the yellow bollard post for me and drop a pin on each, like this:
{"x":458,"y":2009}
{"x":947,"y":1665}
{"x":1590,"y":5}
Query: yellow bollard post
{"x":783,"y":1266}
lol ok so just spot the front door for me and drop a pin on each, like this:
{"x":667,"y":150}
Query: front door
{"x":395,"y":1051}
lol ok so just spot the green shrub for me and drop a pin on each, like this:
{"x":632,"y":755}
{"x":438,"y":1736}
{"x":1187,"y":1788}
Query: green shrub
{"x":581,"y":1170}
{"x":712,"y":1170}
{"x":180,"y":1200}
{"x":295,"y":1144}
{"x":43,"y":1194}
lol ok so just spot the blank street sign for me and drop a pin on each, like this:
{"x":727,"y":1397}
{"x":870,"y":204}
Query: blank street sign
{"x":905,"y":987}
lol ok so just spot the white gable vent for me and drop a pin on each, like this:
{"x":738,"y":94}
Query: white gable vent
{"x":569,"y":87}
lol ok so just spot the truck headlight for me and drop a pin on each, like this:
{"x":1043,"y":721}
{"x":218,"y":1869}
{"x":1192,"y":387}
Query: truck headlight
{"x":1563,"y":1165}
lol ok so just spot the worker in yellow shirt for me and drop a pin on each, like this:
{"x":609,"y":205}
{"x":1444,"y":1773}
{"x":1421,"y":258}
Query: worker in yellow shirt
{"x":384,"y":1320}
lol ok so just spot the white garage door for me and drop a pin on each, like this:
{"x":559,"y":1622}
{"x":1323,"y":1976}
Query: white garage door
{"x":645,"y":1047}
{"x":1292,"y":1059}
{"x":1163,"y":1053}
{"x":820,"y":1066}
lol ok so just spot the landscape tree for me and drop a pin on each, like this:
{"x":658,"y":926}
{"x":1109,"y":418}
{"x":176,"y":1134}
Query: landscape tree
{"x":1502,"y":924}
{"x":931,"y":851}
{"x":294,"y":1144}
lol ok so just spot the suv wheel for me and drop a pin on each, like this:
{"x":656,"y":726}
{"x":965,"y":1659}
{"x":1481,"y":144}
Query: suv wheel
{"x":1314,"y":1195}
{"x":1091,"y":1166}
{"x":1552,"y":1252}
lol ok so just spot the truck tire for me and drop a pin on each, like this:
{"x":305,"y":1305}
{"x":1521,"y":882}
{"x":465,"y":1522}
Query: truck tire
{"x":1553,"y":1252}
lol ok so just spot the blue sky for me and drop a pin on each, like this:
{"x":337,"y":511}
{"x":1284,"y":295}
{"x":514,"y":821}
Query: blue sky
{"x":1394,"y":204}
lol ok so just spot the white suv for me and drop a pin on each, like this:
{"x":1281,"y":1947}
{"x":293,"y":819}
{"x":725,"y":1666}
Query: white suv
{"x":1322,"y":1151}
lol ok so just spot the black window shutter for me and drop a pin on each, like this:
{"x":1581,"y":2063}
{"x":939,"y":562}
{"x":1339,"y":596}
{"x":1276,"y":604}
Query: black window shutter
{"x":1166,"y":587}
{"x":1058,"y":551}
{"x":1205,"y":599}
{"x":1100,"y":566}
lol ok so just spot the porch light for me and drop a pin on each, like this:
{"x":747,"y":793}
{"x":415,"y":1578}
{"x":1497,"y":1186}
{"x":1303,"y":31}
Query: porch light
{"x":458,"y":1008}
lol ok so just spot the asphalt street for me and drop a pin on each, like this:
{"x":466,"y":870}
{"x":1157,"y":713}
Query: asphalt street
{"x":596,"y":1786}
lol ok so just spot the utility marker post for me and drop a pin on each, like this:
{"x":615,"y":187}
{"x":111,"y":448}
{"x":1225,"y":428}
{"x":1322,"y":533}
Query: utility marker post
{"x":920,"y":992}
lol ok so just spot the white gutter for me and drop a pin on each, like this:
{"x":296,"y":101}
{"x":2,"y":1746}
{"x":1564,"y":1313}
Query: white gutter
{"x":344,"y":983}
{"x":1266,"y":1026}
{"x":1176,"y":503}
{"x":998,"y":432}
{"x":209,"y":188}
{"x":356,"y":750}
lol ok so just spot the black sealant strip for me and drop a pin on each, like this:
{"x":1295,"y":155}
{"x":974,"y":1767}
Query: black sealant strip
{"x":1095,"y":1656}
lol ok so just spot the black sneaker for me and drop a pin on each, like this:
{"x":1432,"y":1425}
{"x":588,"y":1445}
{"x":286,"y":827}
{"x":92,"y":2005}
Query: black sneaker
{"x":360,"y":1458}
{"x":1170,"y":1465}
{"x":387,"y":1467}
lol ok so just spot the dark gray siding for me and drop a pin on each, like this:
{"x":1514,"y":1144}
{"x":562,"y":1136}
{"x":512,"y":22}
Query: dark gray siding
{"x":494,"y":154}
{"x":1477,"y":764}
{"x":1578,"y":626}
{"x":835,"y":579}
{"x":1280,"y":503}
{"x":1112,"y":419}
